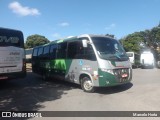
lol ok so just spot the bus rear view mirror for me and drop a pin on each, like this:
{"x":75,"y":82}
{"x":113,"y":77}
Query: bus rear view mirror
{"x":84,"y":42}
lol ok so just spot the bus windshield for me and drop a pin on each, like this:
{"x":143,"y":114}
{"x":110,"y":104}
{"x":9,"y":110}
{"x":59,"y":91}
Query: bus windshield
{"x":109,"y":49}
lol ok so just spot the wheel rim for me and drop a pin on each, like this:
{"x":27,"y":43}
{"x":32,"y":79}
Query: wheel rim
{"x":88,"y":85}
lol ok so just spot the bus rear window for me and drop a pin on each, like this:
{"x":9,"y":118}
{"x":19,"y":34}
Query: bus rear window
{"x":13,"y":38}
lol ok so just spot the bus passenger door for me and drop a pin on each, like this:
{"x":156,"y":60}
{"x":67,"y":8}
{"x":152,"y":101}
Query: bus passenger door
{"x":71,"y":62}
{"x":78,"y":58}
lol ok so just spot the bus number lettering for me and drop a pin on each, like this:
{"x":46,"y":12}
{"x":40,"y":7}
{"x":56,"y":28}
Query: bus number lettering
{"x":14,"y":53}
{"x":10,"y":39}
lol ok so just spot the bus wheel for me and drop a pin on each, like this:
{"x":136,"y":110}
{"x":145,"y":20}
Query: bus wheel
{"x":87,"y":85}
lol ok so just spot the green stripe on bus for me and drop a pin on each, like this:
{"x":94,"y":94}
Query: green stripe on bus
{"x":106,"y":79}
{"x":61,"y":64}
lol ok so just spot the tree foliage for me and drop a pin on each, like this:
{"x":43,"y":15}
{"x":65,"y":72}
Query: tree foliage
{"x":143,"y":39}
{"x":110,"y":35}
{"x":132,"y":42}
{"x":35,"y":40}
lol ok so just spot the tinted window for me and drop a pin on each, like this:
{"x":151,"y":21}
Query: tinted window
{"x":35,"y":52}
{"x":53,"y":50}
{"x":45,"y":55}
{"x":46,"y":50}
{"x":86,"y":52}
{"x":40,"y":51}
{"x":11,"y":38}
{"x":89,"y":53}
{"x":77,"y":51}
{"x":72,"y":49}
{"x":61,"y":53}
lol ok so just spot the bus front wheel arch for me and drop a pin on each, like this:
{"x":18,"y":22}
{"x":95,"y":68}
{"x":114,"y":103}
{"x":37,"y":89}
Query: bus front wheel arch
{"x":86,"y":84}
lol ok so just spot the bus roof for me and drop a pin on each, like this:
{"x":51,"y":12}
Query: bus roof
{"x":63,"y":40}
{"x":80,"y":36}
{"x":9,"y":29}
{"x":73,"y":38}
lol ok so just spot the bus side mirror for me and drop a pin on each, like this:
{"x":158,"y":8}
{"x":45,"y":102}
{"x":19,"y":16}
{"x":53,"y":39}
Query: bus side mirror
{"x":85,"y":43}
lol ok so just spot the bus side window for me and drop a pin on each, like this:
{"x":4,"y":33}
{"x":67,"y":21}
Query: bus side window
{"x":35,"y":52}
{"x":72,"y":50}
{"x":61,"y":53}
{"x":40,"y":51}
{"x":53,"y":50}
{"x":46,"y":52}
{"x":89,"y":53}
{"x":85,"y":53}
{"x":79,"y":50}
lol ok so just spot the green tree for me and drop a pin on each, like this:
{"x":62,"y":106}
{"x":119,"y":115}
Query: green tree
{"x":25,"y":46}
{"x":147,"y":39}
{"x":132,"y":42}
{"x":36,"y":40}
{"x":155,"y":34}
{"x":109,"y":35}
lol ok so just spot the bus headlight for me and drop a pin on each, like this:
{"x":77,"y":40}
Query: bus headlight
{"x":107,"y":70}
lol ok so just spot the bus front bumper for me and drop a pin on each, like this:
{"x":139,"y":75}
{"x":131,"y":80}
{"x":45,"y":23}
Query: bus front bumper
{"x":116,"y":77}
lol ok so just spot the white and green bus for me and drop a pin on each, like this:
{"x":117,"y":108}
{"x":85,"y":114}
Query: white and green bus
{"x":12,"y":54}
{"x":89,"y":60}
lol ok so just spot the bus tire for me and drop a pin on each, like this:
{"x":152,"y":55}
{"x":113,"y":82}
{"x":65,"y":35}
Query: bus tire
{"x":87,"y":85}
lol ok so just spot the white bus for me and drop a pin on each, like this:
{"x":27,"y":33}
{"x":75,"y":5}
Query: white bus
{"x":12,"y":54}
{"x":147,"y":59}
{"x":134,"y":59}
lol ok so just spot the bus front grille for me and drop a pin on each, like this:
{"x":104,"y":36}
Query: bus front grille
{"x":122,"y":74}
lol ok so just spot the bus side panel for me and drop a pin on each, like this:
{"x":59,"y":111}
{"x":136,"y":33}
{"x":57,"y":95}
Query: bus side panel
{"x":58,"y":68}
{"x":71,"y":69}
{"x":77,"y":67}
{"x":64,"y":68}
